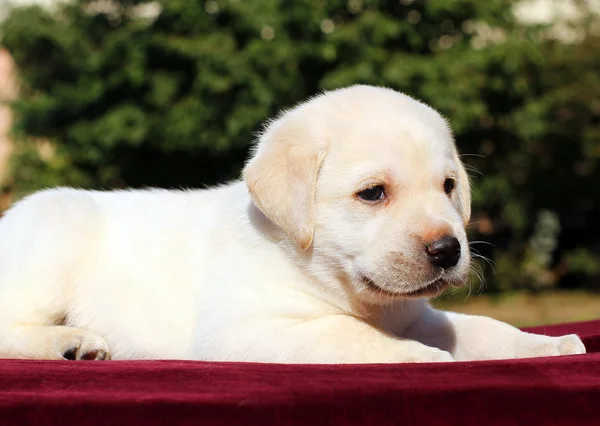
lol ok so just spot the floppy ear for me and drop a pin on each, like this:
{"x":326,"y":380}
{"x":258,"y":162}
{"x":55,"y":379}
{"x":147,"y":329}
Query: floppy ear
{"x":464,"y":192}
{"x":282,"y":178}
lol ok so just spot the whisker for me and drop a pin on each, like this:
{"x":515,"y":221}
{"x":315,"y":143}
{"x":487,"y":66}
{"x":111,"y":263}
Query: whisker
{"x":481,"y":242}
{"x":469,"y":293}
{"x":476,"y":270}
{"x":490,"y":262}
{"x":473,"y":169}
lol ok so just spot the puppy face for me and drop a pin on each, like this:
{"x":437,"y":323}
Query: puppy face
{"x":372,"y":180}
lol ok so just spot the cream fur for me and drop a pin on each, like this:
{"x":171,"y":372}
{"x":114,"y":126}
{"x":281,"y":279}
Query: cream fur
{"x":279,"y":267}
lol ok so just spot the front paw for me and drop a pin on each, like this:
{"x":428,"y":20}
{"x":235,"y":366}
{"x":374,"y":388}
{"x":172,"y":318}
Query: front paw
{"x":570,"y":344}
{"x":538,"y":346}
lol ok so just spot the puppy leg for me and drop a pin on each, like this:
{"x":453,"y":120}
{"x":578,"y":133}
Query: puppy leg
{"x":334,"y":339}
{"x":43,"y":241}
{"x":470,"y":337}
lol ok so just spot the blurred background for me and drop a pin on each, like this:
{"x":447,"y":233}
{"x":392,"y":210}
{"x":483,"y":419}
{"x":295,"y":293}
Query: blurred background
{"x":108,"y":94}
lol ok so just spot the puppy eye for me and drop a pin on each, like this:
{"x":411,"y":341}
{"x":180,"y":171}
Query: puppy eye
{"x":448,"y":186}
{"x":372,"y":194}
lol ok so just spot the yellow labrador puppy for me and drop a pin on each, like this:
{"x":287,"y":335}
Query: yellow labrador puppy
{"x":350,"y":215}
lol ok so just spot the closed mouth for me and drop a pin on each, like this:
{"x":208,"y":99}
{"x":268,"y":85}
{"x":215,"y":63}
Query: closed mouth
{"x":432,"y":289}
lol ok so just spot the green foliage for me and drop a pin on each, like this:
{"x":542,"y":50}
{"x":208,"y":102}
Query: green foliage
{"x":174,"y":100}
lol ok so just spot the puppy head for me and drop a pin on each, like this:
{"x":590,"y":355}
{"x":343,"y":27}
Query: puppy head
{"x":370,"y":178}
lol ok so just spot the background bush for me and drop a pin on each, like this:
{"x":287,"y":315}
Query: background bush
{"x":122,"y":98}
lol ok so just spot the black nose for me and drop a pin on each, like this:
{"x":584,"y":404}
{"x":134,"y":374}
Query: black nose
{"x":444,"y":252}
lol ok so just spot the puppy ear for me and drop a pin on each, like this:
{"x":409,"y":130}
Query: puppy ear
{"x":282,"y":177}
{"x":464,"y":192}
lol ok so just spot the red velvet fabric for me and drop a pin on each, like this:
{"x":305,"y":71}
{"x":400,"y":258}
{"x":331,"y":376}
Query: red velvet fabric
{"x":542,"y":391}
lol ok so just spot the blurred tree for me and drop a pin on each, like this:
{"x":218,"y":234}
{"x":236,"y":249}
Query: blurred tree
{"x":131,"y":98}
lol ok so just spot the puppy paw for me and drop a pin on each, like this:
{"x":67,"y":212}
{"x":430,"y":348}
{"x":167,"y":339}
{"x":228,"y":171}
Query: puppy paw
{"x":570,"y":344}
{"x":83,"y":345}
{"x":538,"y":346}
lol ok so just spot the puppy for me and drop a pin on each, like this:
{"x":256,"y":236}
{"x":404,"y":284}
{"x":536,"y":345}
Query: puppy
{"x":350,"y":215}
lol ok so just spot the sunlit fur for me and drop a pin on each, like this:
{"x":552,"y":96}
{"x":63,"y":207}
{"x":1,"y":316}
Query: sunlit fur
{"x":285,"y":265}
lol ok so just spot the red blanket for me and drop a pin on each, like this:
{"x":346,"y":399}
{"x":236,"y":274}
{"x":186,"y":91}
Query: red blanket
{"x":542,"y":391}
